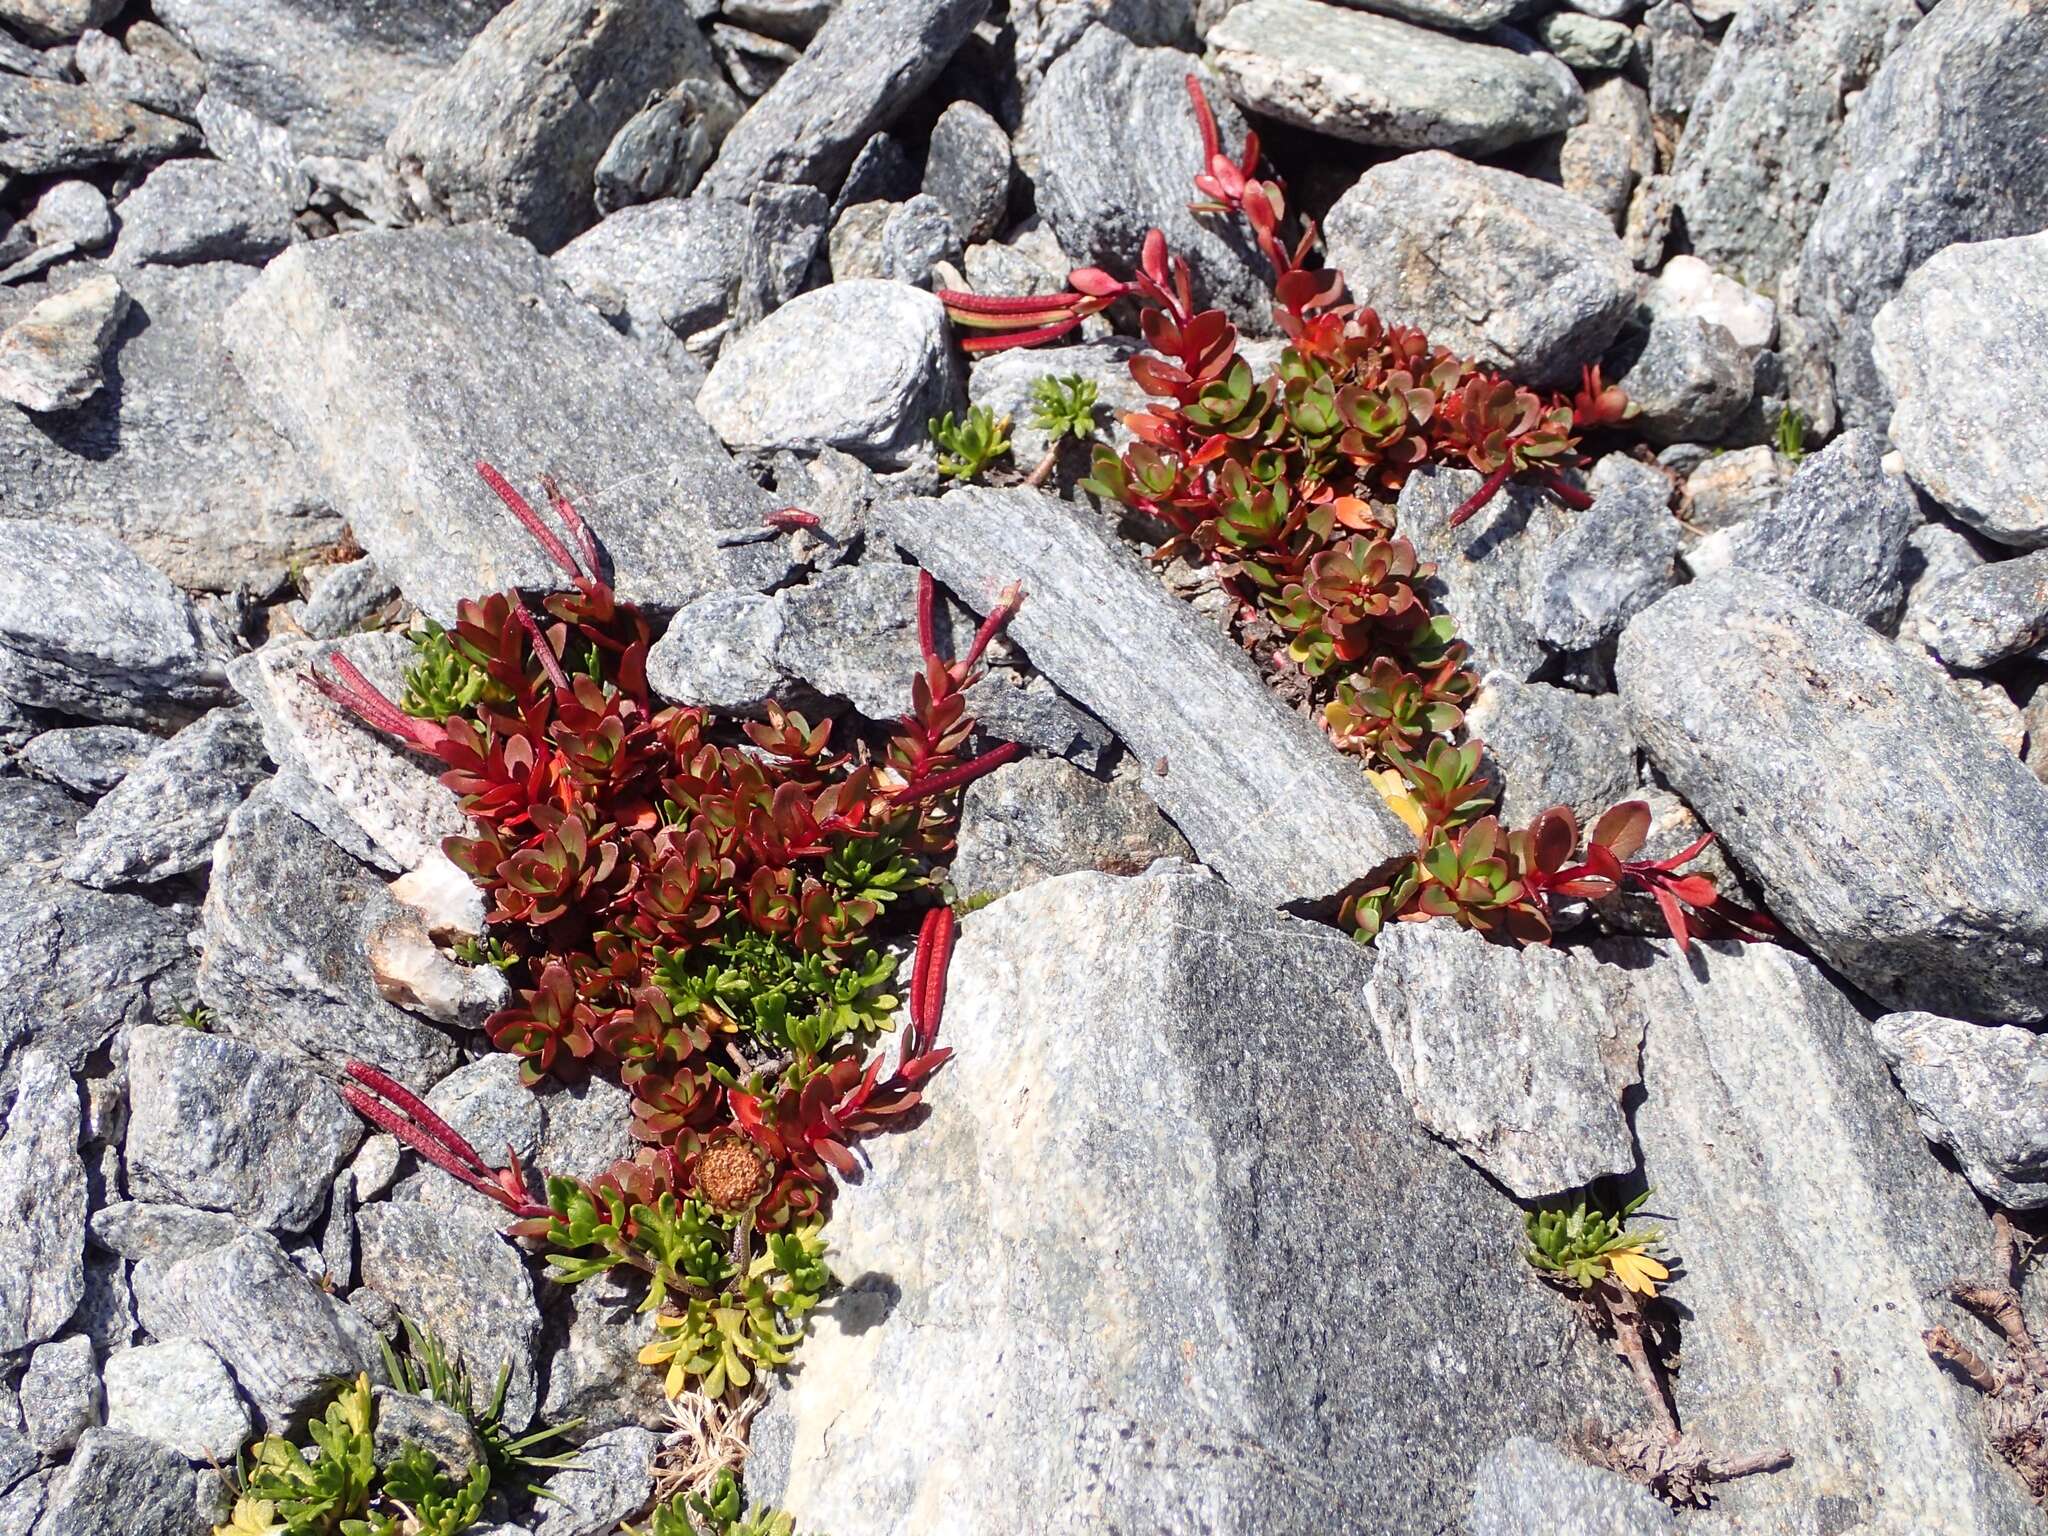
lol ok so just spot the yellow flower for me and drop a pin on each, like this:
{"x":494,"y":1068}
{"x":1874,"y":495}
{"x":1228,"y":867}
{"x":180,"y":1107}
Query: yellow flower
{"x":1394,"y":790}
{"x":1637,"y":1270}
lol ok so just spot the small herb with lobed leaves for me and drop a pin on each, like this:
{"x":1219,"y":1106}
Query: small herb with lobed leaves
{"x":1063,"y":407}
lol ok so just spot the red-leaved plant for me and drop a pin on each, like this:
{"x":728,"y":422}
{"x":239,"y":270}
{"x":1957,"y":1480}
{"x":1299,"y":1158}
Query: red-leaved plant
{"x":700,"y":911}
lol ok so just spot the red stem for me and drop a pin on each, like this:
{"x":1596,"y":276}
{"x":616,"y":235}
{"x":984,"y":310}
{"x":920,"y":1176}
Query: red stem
{"x":549,"y":662}
{"x":927,"y":598}
{"x":1566,"y":492}
{"x":966,"y":773}
{"x":1488,"y":489}
{"x":529,"y":519}
{"x":386,"y":1086}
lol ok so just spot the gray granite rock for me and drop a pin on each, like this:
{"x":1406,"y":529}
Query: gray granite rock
{"x":1553,"y":747}
{"x":1677,"y":57}
{"x":1760,"y":145}
{"x":76,"y":965}
{"x":149,"y":1229}
{"x":218,"y":1124}
{"x":118,"y":1482}
{"x":1169,"y":1352}
{"x":858,"y":366}
{"x":1687,"y":286}
{"x":1003,"y":381}
{"x":1688,"y":378}
{"x":591,"y":1341}
{"x":720,"y":653}
{"x":24,"y":1502}
{"x":587,"y":1127}
{"x":201,"y":210}
{"x":368,"y":793}
{"x":1837,"y":531}
{"x":1378,"y":81}
{"x":672,"y":264}
{"x":88,"y":760}
{"x":337,"y":76}
{"x":42,"y":1204}
{"x":866,"y":62}
{"x":1251,"y":785}
{"x":1586,"y":42}
{"x":1031,"y":820}
{"x":284,"y":1338}
{"x":665,"y":147}
{"x":1525,"y":1487}
{"x":363,"y":351}
{"x":146,"y":66}
{"x":1936,"y":551}
{"x":1110,"y":142}
{"x":1520,"y":1058}
{"x":881,"y":173}
{"x":1817,"y":1240}
{"x":1487,"y":569}
{"x":913,"y":238}
{"x":48,"y":127}
{"x":785,"y":228}
{"x":163,"y":817}
{"x":1728,"y":488}
{"x":106,"y":1313}
{"x":60,"y":1394}
{"x":613,"y":1478}
{"x":851,"y":633}
{"x":404,"y":1419}
{"x":297,"y":976}
{"x":1846,"y":774}
{"x":50,"y":22}
{"x":172,"y":457}
{"x":794,"y":21}
{"x":752,"y":62}
{"x":86,"y":628}
{"x":1515,"y":272}
{"x":1945,"y":145}
{"x":1595,"y":164}
{"x":54,"y":357}
{"x":1988,"y":614}
{"x":1982,"y":1092}
{"x":967,"y":169}
{"x":73,"y":213}
{"x":1964,"y":340}
{"x":513,"y":132}
{"x":178,"y":1394}
{"x":450,"y":1271}
{"x":343,"y":598}
{"x":1611,"y":561}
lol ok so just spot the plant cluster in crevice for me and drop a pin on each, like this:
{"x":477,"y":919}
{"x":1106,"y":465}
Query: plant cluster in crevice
{"x":711,"y":915}
{"x":336,"y":1487}
{"x":1611,"y":1274}
{"x":2014,"y":1381}
{"x":1284,"y":485}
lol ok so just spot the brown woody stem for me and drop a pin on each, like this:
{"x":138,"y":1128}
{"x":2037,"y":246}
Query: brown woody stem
{"x":1042,"y":470}
{"x":1947,"y":1348}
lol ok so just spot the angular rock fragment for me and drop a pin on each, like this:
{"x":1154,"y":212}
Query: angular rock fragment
{"x":337,"y":76}
{"x":1095,"y":1048}
{"x":365,"y":791}
{"x":1945,"y":145}
{"x":1988,"y":614}
{"x":592,"y":1338}
{"x":1837,"y":531}
{"x":172,"y":458}
{"x":967,"y":170}
{"x":54,"y":357}
{"x":88,"y":629}
{"x":1032,"y":820}
{"x":42,"y":1204}
{"x":50,"y":22}
{"x":1611,"y":561}
{"x":1485,"y":568}
{"x":88,"y":760}
{"x":858,"y":366}
{"x":1816,"y":1238}
{"x":218,"y":1124}
{"x":284,"y":1338}
{"x":164,"y":816}
{"x":452,"y":1272}
{"x":60,"y":1394}
{"x":865,"y":63}
{"x":664,"y":148}
{"x":297,"y":976}
{"x":1553,"y":747}
{"x":1528,"y":1488}
{"x":614,"y":1476}
{"x":121,"y":1482}
{"x":1760,"y":143}
{"x":1512,"y":271}
{"x":1689,"y":380}
{"x":1966,"y":339}
{"x":148,"y":1229}
{"x":1688,"y":286}
{"x":1375,"y":80}
{"x":364,"y":352}
{"x":1110,"y":141}
{"x":671,"y":264}
{"x":146,"y":66}
{"x":202,"y":210}
{"x":178,"y":1394}
{"x":1848,"y":776}
{"x":1982,"y":1092}
{"x":1520,"y":1058}
{"x":1252,"y":786}
{"x":514,"y":130}
{"x":48,"y":127}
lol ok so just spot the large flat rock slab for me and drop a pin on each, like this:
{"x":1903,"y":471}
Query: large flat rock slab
{"x":395,"y":360}
{"x":1138,"y":1271}
{"x":1258,"y":791}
